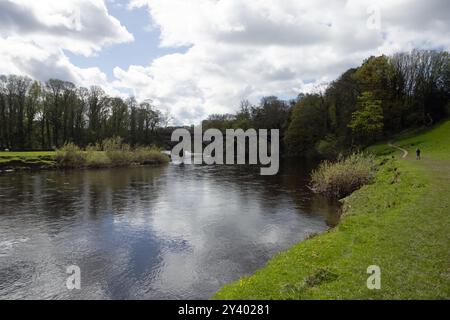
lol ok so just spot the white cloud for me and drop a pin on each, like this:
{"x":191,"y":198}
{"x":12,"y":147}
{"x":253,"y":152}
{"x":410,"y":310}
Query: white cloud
{"x":231,"y":49}
{"x":247,"y":49}
{"x":34,"y":35}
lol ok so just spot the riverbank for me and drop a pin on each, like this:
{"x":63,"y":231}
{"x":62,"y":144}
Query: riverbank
{"x":27,"y":160}
{"x":399,"y":223}
{"x":47,"y":160}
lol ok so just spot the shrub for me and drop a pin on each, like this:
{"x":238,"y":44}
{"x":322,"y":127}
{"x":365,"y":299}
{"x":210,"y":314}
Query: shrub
{"x":114,"y":144}
{"x":97,"y":159}
{"x":149,"y":155}
{"x":94,"y":147}
{"x":327,"y":147}
{"x":119,"y":153}
{"x":115,"y":154}
{"x":345,"y":176}
{"x":120,"y":158}
{"x":70,"y":156}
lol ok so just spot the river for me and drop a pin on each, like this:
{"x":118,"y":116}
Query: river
{"x":171,"y":232}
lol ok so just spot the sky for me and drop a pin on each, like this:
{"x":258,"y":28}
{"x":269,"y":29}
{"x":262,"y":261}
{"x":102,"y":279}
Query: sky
{"x":199,"y":57}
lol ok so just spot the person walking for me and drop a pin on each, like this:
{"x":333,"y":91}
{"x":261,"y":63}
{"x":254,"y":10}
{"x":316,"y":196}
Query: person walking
{"x":418,"y":153}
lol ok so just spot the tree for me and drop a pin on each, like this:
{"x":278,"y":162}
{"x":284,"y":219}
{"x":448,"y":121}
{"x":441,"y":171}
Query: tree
{"x":243,"y":116}
{"x":272,"y":113}
{"x":341,"y":99}
{"x":132,"y":107}
{"x":96,"y":113}
{"x":307,"y":127}
{"x":412,"y":89}
{"x":422,"y":83}
{"x":54,"y":110}
{"x":118,"y":121}
{"x":33,"y":105}
{"x":377,"y":76}
{"x":367,"y":122}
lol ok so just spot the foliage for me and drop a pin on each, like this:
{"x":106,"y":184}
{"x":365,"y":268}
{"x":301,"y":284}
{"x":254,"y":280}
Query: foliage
{"x":97,"y":159}
{"x":339,"y":179}
{"x":383,"y":96}
{"x":112,"y":153}
{"x":307,"y":125}
{"x":367,"y":121}
{"x":149,"y":155}
{"x":119,"y":153}
{"x":327,"y":148}
{"x":115,"y":144}
{"x":271,"y":113}
{"x":35,"y":115}
{"x":70,"y":156}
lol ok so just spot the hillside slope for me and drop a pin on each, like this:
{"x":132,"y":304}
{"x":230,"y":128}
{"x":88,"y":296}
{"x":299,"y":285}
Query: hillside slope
{"x":401,"y":223}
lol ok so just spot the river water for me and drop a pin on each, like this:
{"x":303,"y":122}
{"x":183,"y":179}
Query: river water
{"x":171,"y":232}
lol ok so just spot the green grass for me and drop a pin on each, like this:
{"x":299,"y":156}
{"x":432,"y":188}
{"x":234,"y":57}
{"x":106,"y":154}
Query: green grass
{"x":27,"y":159}
{"x":90,"y":159}
{"x":400,"y":223}
{"x":434,"y":143}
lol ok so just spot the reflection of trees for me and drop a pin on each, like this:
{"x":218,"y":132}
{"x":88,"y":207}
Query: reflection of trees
{"x":296,"y":177}
{"x":93,"y":192}
{"x":55,"y":211}
{"x":56,"y":194}
{"x":291,"y":183}
{"x":118,"y":190}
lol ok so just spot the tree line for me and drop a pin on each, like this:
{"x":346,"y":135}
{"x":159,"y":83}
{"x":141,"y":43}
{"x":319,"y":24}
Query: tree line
{"x":383,"y":96}
{"x":36,"y":115}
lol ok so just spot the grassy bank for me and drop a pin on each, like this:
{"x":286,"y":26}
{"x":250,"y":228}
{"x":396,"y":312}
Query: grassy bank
{"x":71,"y":156}
{"x":400,"y":223}
{"x":15,"y":160}
{"x":341,"y":178}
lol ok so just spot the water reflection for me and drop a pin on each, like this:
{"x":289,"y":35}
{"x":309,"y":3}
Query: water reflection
{"x":149,"y":233}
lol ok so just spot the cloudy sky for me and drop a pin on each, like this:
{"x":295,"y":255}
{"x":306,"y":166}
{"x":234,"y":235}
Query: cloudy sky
{"x":197,"y":57}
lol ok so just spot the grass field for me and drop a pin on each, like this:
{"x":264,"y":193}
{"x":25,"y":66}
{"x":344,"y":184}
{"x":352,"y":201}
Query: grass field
{"x":27,"y":159}
{"x":401,"y":223}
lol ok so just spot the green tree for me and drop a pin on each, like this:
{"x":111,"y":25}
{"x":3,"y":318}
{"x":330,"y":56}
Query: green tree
{"x":308,"y":125}
{"x":367,"y":122}
{"x":33,"y":104}
{"x":341,"y":99}
{"x":377,"y":76}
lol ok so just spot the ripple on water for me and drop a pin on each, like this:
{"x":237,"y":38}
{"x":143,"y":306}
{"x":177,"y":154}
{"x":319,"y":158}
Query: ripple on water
{"x":147,"y":233}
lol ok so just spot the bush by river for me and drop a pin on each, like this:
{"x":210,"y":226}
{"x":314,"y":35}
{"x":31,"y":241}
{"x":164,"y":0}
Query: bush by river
{"x":341,"y":178}
{"x":109,"y":153}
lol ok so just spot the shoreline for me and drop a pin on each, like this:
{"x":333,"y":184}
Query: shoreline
{"x":47,"y":163}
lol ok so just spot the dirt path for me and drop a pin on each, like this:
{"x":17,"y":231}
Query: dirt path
{"x":405,"y":152}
